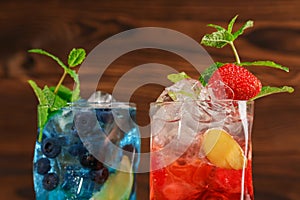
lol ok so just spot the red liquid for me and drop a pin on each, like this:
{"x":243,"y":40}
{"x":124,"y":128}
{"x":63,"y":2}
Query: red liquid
{"x":199,"y":181}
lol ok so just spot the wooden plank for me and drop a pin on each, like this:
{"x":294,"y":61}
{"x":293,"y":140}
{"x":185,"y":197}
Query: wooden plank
{"x":58,"y":26}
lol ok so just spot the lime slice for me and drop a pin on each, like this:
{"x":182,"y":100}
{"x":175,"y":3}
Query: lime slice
{"x":118,"y":186}
{"x":222,"y":150}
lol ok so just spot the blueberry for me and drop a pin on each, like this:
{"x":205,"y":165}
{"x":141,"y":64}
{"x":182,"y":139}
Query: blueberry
{"x":77,"y":149}
{"x":51,"y":147}
{"x":104,"y":115}
{"x":85,"y":121}
{"x":50,"y":181}
{"x":99,"y":176}
{"x":89,"y":161}
{"x":43,"y":166}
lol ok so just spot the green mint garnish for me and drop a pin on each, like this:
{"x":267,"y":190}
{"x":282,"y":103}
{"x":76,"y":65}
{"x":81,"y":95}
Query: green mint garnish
{"x":221,"y":38}
{"x":39,"y":93}
{"x":177,"y":77}
{"x":58,"y":96}
{"x":205,"y":76}
{"x":266,"y":64}
{"x":267,"y":90}
{"x":63,"y":92}
{"x":76,"y":57}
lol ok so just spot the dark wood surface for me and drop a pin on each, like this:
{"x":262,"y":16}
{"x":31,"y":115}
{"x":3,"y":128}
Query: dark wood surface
{"x":58,"y":26}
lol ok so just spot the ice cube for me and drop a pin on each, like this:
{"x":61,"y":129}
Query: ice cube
{"x":216,"y":91}
{"x":100,"y":97}
{"x":186,"y":89}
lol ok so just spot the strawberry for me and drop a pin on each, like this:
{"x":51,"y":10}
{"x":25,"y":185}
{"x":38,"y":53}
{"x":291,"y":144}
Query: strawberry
{"x":242,"y":82}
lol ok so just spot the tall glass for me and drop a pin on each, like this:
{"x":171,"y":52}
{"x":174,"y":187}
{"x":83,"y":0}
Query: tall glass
{"x":201,"y":150}
{"x":87,"y":151}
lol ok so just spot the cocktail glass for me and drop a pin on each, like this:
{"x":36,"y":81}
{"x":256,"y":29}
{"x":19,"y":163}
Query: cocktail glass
{"x":201,"y":150}
{"x":87,"y":151}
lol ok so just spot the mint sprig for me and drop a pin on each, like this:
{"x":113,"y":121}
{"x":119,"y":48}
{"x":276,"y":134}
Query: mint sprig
{"x":57,"y":97}
{"x":268,"y":90}
{"x":266,"y":64}
{"x":221,"y":38}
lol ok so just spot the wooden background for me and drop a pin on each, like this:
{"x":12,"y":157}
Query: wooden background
{"x":60,"y":25}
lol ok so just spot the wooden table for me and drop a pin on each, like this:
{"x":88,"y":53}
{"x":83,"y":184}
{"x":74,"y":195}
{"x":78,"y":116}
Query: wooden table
{"x":58,"y":26}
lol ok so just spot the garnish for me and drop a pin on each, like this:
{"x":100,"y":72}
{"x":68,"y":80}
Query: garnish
{"x":222,"y":150}
{"x":238,"y":79}
{"x":221,"y":38}
{"x":177,"y":77}
{"x":54,"y":98}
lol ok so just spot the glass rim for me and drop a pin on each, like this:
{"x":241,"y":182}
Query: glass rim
{"x":199,"y":100}
{"x":95,"y":104}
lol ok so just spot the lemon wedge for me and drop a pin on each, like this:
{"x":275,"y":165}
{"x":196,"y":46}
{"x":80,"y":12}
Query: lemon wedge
{"x":119,"y":185}
{"x":222,"y":150}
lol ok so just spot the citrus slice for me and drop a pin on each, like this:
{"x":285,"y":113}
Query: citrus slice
{"x":222,"y":150}
{"x":118,"y":186}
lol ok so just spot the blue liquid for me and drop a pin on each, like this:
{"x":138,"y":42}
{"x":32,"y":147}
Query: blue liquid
{"x":80,"y":173}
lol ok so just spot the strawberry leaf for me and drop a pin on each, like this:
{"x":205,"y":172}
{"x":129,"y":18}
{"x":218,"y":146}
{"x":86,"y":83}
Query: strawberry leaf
{"x":266,"y":64}
{"x":267,"y":90}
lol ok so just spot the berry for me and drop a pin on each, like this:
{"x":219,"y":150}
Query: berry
{"x":104,"y":115}
{"x":89,"y":161}
{"x":99,"y":176}
{"x":43,"y":166}
{"x":50,"y":181}
{"x":85,"y":121}
{"x":242,"y":82}
{"x":77,"y":149}
{"x":51,"y":147}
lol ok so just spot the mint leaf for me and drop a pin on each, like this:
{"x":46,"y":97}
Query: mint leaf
{"x":239,"y":32}
{"x":206,"y":74}
{"x":222,"y":37}
{"x":177,"y":77}
{"x":219,"y":28}
{"x":39,"y":93}
{"x":55,"y":102}
{"x":42,"y":119}
{"x":76,"y":57}
{"x":76,"y":91}
{"x":63,"y":92}
{"x":231,"y":23}
{"x":266,"y":64}
{"x":40,"y":51}
{"x":217,"y":39}
{"x":267,"y":90}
